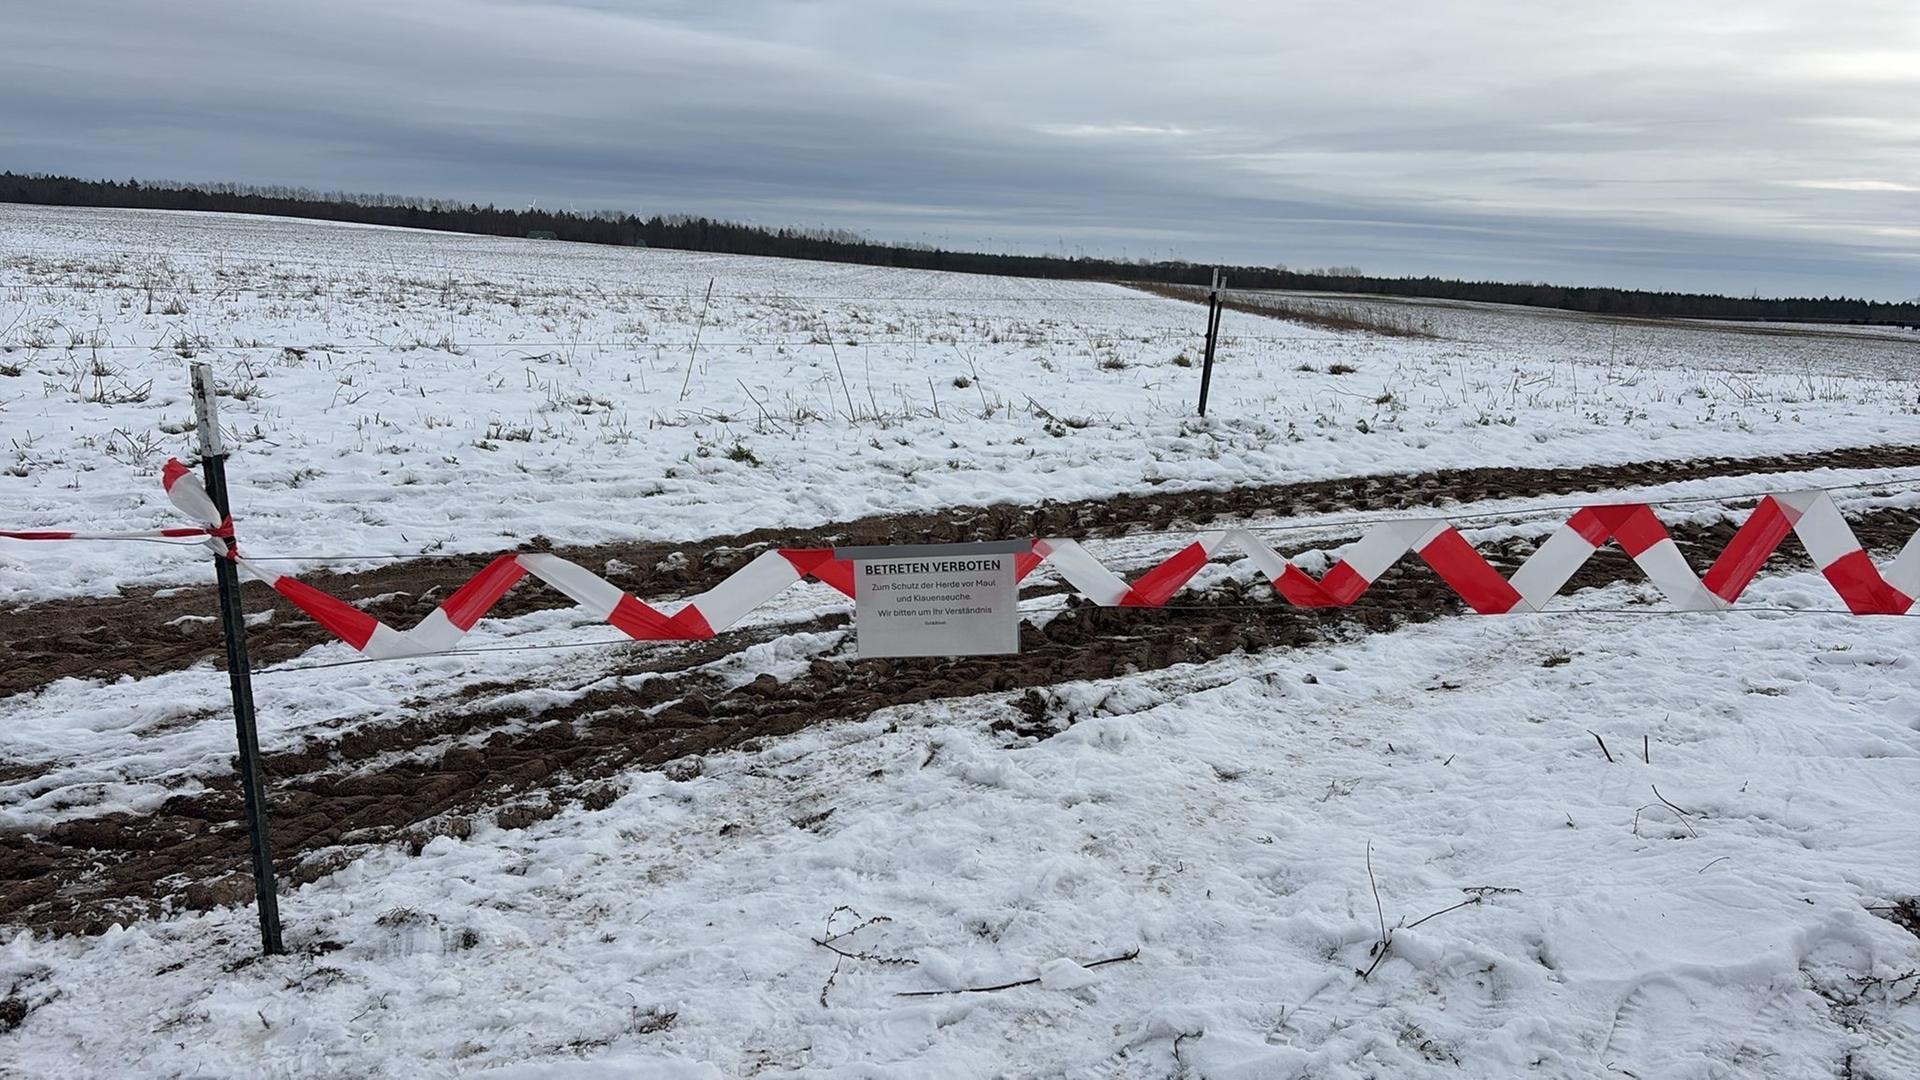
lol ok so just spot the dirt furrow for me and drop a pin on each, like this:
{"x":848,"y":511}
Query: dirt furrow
{"x":443,"y":766}
{"x":141,"y":632}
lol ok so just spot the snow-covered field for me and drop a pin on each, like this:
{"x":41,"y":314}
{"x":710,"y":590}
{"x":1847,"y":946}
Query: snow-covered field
{"x":1215,"y":818}
{"x":1686,"y":344}
{"x":399,"y":392}
{"x":1235,"y":834}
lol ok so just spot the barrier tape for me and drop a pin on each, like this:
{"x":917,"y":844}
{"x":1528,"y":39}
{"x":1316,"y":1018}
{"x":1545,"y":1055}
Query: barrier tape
{"x":218,"y":525}
{"x":1811,"y":516}
{"x":150,"y":534}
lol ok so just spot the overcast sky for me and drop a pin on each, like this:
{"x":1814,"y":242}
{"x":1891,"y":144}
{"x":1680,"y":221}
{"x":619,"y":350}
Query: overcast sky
{"x":1751,"y":146}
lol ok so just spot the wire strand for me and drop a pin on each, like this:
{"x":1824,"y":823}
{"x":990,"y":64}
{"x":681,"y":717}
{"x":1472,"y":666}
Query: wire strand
{"x":1646,"y":612}
{"x":1167,"y":335}
{"x":1188,"y":533}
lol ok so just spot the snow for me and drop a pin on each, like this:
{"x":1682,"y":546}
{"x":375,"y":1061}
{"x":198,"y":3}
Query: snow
{"x":1181,"y":882}
{"x":1217,"y":818}
{"x":1689,"y":344}
{"x":398,"y":392}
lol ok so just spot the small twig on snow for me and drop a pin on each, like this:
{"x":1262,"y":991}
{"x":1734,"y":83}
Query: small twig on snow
{"x":828,"y":985}
{"x":1178,"y":1039}
{"x":875,"y":958}
{"x":1691,"y":831}
{"x":1468,"y":902}
{"x":1663,"y":798}
{"x":853,"y":416}
{"x":1603,"y":744}
{"x":1128,"y":955}
{"x":827,"y":942}
{"x":693,"y":351}
{"x":764,"y":415}
{"x":1379,"y":911}
{"x":1379,"y":949}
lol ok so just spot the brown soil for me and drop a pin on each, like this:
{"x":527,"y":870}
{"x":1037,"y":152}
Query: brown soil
{"x":130,"y":635}
{"x":443,"y":766}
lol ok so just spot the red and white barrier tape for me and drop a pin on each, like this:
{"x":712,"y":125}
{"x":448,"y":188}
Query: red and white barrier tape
{"x":202,"y":509}
{"x":149,"y":534}
{"x":1809,"y":515}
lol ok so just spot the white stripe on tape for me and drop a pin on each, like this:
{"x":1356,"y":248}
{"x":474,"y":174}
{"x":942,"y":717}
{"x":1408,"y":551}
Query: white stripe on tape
{"x":1382,"y":546}
{"x":745,"y":589}
{"x":1271,"y":563}
{"x":1668,"y":570}
{"x":435,"y":633}
{"x":1904,"y":574}
{"x":1825,"y":532}
{"x":1541,"y":576}
{"x":586,"y":588}
{"x":1084,"y":572}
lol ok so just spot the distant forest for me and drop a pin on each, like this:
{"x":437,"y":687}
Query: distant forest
{"x":703,"y":234}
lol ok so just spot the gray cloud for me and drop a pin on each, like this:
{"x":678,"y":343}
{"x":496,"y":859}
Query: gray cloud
{"x":1761,"y":146}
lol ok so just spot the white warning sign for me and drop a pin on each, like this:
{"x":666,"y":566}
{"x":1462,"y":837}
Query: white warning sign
{"x":936,"y":599}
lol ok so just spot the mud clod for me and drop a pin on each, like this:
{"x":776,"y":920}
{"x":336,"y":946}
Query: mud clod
{"x":681,"y":770}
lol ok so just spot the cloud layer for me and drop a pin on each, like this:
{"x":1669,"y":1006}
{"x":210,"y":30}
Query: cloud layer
{"x":1759,"y":146}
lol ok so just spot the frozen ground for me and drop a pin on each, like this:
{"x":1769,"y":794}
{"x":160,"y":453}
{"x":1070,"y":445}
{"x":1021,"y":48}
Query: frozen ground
{"x":762,"y":914}
{"x":397,"y":392}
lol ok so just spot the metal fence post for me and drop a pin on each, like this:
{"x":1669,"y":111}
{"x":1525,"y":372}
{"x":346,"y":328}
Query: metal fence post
{"x":1213,"y":333}
{"x":213,"y":462}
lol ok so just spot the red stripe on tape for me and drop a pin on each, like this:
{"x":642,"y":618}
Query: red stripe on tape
{"x":1298,"y":589}
{"x":806,"y":560}
{"x":1158,"y":584}
{"x":1343,"y":584}
{"x":1637,"y":529}
{"x":1024,"y":563}
{"x":1757,"y":539}
{"x":1632,"y":524}
{"x":637,"y":620}
{"x":1590,"y":524}
{"x":819,"y":564}
{"x":1859,"y":583}
{"x":837,"y":573}
{"x":691,"y":625}
{"x":343,"y":620}
{"x":42,"y":535}
{"x":473,"y":599}
{"x":171,"y":472}
{"x":1468,"y":573}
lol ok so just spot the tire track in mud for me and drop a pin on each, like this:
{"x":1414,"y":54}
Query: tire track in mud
{"x":449,"y":765}
{"x":149,"y":631}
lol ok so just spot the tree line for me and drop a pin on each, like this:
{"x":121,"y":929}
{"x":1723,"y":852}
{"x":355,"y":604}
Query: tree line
{"x":690,"y":233}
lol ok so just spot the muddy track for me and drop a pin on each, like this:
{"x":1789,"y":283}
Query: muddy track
{"x":444,"y":766}
{"x":138,"y":633}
